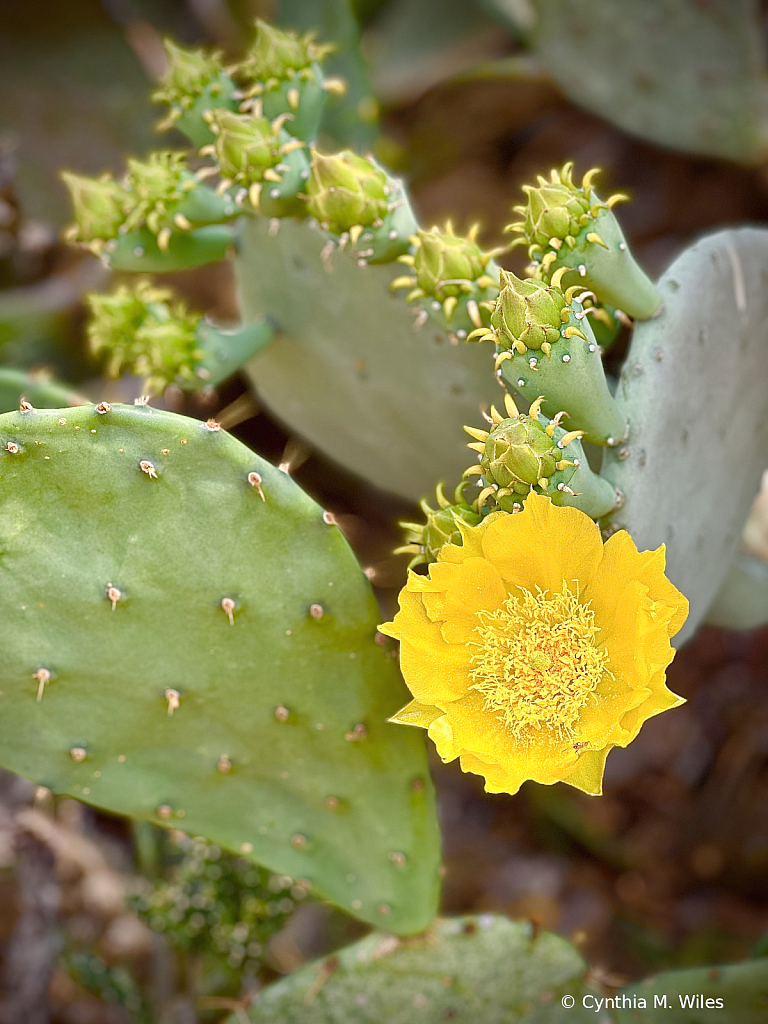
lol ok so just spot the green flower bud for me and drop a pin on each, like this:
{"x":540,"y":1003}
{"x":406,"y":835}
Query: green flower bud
{"x":245,"y":146}
{"x":97,"y":204}
{"x":154,"y":188}
{"x":189,"y":74}
{"x":518,"y":453}
{"x":279,"y":54}
{"x":446,"y":264}
{"x":567,"y":226}
{"x":143,"y":333}
{"x":527,"y":314}
{"x":424,"y":540}
{"x":346,"y":191}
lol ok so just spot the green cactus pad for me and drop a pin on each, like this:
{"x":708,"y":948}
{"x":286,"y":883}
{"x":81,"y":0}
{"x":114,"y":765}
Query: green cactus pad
{"x":202,"y":643}
{"x":690,"y":76}
{"x":469,"y":970}
{"x":742,"y":601}
{"x":738,"y":993}
{"x":347,"y":370}
{"x":139,"y":250}
{"x":38,"y":389}
{"x":567,"y":370}
{"x":694,"y":389}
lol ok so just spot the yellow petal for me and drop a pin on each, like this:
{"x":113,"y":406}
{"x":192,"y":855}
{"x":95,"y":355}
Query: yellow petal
{"x":431,"y":667}
{"x":544,"y":546}
{"x":420,"y":715}
{"x":660,"y":699}
{"x":621,"y":564}
{"x":588,"y":774}
{"x":454,"y":593}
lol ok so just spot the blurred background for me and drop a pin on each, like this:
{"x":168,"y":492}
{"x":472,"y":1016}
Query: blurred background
{"x":105,"y":923}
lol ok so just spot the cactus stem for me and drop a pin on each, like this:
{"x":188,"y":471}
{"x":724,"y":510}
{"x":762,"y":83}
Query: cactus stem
{"x":174,"y":700}
{"x":254,"y":479}
{"x":228,"y":607}
{"x":114,"y":595}
{"x":147,"y":467}
{"x":43,"y":677}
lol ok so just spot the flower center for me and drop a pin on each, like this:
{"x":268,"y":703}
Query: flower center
{"x":537,"y":662}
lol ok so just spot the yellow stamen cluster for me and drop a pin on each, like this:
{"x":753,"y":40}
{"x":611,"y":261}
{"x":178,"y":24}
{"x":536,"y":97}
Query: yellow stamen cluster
{"x":537,"y":661}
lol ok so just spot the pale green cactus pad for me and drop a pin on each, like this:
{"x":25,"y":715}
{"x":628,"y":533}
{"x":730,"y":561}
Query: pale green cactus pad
{"x":467,"y":970}
{"x":347,"y":370}
{"x":742,"y":601}
{"x":694,"y":389}
{"x":37,"y":389}
{"x":622,"y":60}
{"x":742,"y":990}
{"x":187,"y":639}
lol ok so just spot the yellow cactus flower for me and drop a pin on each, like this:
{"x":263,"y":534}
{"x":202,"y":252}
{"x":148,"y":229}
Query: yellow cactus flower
{"x":534,"y":649}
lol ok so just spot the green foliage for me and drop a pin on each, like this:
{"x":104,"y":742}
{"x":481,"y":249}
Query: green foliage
{"x":693,"y":389}
{"x":212,"y":904}
{"x":220,"y":721}
{"x":467,"y":970}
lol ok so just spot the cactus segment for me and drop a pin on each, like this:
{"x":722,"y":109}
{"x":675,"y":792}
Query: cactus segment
{"x":346,"y":191}
{"x":194,"y":83}
{"x":224,"y":351}
{"x":346,"y":368}
{"x":142,"y":332}
{"x":525,"y":451}
{"x":160,"y":603}
{"x":469,"y":970}
{"x":159,"y":197}
{"x":452,"y":279}
{"x":567,"y":225}
{"x":694,"y":431}
{"x":546,"y":347}
{"x":283,"y":74}
{"x":739,"y":987}
{"x":262,"y":158}
{"x":424,"y":540}
{"x":140,"y":250}
{"x":742,"y":600}
{"x":35,"y":388}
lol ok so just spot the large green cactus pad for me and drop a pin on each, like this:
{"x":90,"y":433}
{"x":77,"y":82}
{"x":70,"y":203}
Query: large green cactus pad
{"x":202,"y":644}
{"x":736,"y":993}
{"x":470,"y":970}
{"x":694,"y":389}
{"x":622,"y":60}
{"x":348,"y":371}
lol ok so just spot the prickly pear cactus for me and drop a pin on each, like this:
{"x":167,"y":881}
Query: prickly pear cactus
{"x":203,"y":655}
{"x":465,"y":969}
{"x":699,"y":438}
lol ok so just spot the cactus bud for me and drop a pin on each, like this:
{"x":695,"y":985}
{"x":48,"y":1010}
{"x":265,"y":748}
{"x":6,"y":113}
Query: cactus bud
{"x":567,"y":225}
{"x":143,"y":333}
{"x":345,"y":191}
{"x":262,"y":157}
{"x":518,"y":453}
{"x":194,"y":83}
{"x":453,"y":272}
{"x":527,"y":314}
{"x":97,"y":206}
{"x":279,"y":54}
{"x":424,"y":540}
